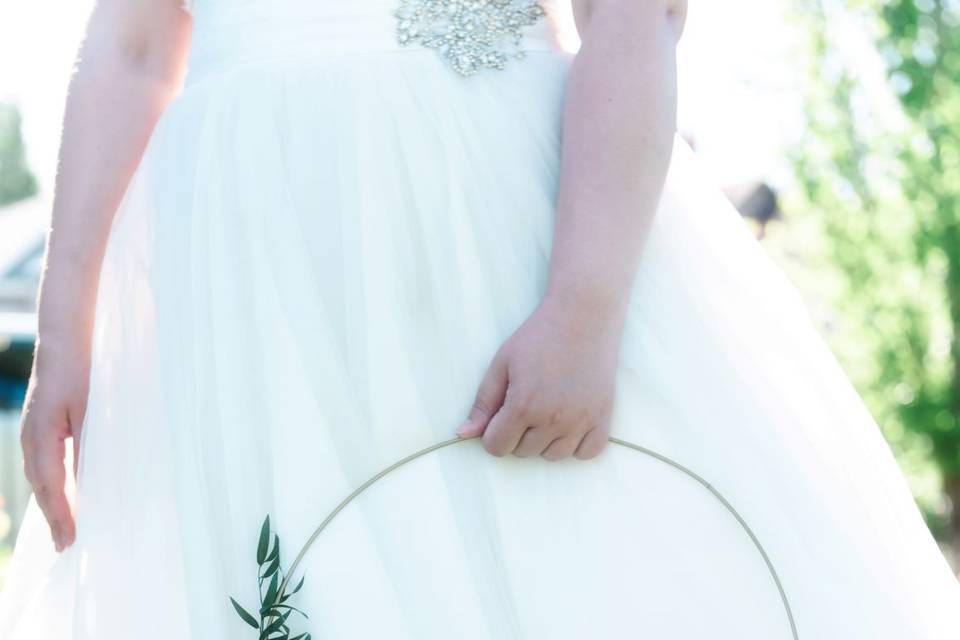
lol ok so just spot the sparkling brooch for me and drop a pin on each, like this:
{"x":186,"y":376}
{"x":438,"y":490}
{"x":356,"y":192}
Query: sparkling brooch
{"x":470,"y":34}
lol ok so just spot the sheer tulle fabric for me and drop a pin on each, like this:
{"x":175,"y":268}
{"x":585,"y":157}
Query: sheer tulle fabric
{"x":305,"y":282}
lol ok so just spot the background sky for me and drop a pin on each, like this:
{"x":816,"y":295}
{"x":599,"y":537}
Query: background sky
{"x":740,"y":84}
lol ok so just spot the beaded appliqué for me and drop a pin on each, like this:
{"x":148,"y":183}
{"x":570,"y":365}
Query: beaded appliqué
{"x":470,"y":34}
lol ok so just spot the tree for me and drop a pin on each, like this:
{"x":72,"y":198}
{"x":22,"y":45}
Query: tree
{"x":16,"y":180}
{"x":883,"y":179}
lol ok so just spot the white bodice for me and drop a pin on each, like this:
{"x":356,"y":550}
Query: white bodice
{"x":232,"y":31}
{"x":280,"y":6}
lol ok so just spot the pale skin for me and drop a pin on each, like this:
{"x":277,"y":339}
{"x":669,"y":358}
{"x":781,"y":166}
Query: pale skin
{"x":549,"y":389}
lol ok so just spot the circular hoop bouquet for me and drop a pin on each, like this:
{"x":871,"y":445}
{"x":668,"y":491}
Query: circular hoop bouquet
{"x":739,"y":562}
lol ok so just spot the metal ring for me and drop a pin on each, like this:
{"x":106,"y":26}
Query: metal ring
{"x":617,"y":441}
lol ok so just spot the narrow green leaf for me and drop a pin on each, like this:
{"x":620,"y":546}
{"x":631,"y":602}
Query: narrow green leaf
{"x":270,"y":598}
{"x":274,"y":626}
{"x":275,"y":552}
{"x":299,"y":584}
{"x":295,"y":589}
{"x":272,"y":569}
{"x":277,"y":609}
{"x":264,"y":540}
{"x":249,"y":619}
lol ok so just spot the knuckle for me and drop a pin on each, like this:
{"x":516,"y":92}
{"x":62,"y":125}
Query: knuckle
{"x":522,"y":403}
{"x":481,"y":406}
{"x":589,"y":418}
{"x":521,"y":410}
{"x":583,"y":413}
{"x":594,"y":421}
{"x":556,"y":418}
{"x":593,"y":426}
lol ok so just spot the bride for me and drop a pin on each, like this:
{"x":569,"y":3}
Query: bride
{"x":317,"y":260}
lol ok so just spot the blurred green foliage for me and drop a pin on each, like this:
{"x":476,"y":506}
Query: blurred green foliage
{"x":16,"y":180}
{"x":5,"y":553}
{"x":879,"y":171}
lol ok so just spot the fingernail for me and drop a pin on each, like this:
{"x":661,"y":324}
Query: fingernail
{"x":464,"y":427}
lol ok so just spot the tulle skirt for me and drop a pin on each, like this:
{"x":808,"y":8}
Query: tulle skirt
{"x":306,"y":281}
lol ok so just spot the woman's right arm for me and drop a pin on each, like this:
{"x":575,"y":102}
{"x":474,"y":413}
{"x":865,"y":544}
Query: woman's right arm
{"x":129,"y":67}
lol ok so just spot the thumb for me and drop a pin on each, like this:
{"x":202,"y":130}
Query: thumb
{"x":489,"y":399}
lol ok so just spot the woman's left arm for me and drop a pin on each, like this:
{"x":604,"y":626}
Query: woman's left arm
{"x":549,"y":389}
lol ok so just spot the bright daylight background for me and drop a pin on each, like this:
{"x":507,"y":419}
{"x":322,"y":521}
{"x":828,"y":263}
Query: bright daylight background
{"x":834,"y":127}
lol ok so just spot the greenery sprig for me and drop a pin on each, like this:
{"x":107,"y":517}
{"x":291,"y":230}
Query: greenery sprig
{"x":274,"y":610}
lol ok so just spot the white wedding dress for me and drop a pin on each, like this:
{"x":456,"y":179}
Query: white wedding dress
{"x":328,"y":237}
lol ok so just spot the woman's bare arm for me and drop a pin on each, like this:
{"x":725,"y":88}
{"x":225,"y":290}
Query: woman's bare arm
{"x":129,"y":67}
{"x":619,"y":123}
{"x":549,"y":390}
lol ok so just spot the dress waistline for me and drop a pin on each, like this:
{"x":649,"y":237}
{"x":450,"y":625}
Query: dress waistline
{"x":220,"y":47}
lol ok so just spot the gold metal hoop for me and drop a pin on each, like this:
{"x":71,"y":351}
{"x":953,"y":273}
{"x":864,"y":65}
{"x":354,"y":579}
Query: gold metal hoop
{"x":617,"y":441}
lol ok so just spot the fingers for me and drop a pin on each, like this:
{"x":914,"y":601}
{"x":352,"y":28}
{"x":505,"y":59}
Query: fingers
{"x":43,"y":439}
{"x":533,"y":442}
{"x":508,"y":425}
{"x":46,"y":472}
{"x":592,"y":444}
{"x":561,"y":448}
{"x":546,"y":443}
{"x":489,"y":399}
{"x":526,"y":425}
{"x":555,"y":420}
{"x":526,"y":432}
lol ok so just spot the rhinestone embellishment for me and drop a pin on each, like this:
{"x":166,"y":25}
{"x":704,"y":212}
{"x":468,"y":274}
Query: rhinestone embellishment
{"x":469,"y":34}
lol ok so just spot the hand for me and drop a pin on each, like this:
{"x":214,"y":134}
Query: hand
{"x":53,"y":412}
{"x":549,"y":390}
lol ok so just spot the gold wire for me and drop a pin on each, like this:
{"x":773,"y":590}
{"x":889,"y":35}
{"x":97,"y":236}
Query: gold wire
{"x":617,"y":441}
